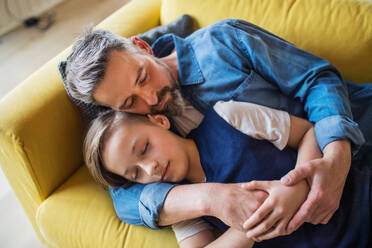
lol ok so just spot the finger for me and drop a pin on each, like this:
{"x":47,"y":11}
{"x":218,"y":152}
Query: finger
{"x":279,"y":229}
{"x":327,"y":218}
{"x":297,"y":174}
{"x":317,"y":218}
{"x":263,"y":227}
{"x":324,"y":213}
{"x":255,"y":185}
{"x":302,"y":215}
{"x":258,"y":215}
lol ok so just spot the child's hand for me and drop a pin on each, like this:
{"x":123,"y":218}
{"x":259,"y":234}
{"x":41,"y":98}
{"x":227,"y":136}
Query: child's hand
{"x":271,"y":219}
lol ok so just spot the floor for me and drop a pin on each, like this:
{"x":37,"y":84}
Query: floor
{"x":22,"y":51}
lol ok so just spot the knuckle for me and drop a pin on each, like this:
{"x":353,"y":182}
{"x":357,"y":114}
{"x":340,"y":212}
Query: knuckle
{"x":266,"y":226}
{"x":253,"y":183}
{"x":335,"y":205}
{"x":272,"y":202}
{"x":292,"y":174}
{"x":256,"y":205}
{"x":306,"y":212}
{"x":280,"y":230}
{"x":280,"y":210}
{"x":311,"y":166}
{"x":319,"y":196}
{"x":260,"y":215}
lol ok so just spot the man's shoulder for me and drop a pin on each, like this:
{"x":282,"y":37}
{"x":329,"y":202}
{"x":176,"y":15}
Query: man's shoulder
{"x":222,"y":31}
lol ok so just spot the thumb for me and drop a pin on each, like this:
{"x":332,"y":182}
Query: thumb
{"x":256,"y":185}
{"x":297,"y":174}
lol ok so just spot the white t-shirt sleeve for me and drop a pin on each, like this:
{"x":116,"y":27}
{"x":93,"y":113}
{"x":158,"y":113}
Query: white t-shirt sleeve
{"x":188,"y":228}
{"x":257,"y":121}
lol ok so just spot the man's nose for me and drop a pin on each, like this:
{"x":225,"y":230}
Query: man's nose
{"x":149,"y":96}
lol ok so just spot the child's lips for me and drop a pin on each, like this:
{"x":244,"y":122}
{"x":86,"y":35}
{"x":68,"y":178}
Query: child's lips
{"x":165,"y":172}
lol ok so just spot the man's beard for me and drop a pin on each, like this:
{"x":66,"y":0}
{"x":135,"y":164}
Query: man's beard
{"x":175,"y":104}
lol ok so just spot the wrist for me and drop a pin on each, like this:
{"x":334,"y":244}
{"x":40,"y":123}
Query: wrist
{"x":339,"y":150}
{"x":206,"y":202}
{"x":304,"y":185}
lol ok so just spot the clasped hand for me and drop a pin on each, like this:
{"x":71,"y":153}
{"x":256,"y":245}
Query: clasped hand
{"x":272,"y":218}
{"x":287,"y":208}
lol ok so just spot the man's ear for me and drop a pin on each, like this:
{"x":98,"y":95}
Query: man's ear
{"x":160,"y":120}
{"x":142,"y":45}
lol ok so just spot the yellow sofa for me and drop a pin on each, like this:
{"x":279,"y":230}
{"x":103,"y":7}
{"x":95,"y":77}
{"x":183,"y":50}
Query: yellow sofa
{"x":41,"y":134}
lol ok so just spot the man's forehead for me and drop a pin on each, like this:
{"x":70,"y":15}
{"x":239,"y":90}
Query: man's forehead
{"x":121,"y":56}
{"x":120,"y":71}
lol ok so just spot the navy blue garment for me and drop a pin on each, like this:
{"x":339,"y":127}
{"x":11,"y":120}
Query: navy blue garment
{"x":228,"y":155}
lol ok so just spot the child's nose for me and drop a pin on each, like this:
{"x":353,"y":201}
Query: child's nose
{"x":152,"y":168}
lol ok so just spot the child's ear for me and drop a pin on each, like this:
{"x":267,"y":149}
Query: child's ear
{"x":142,"y":45}
{"x":160,"y":120}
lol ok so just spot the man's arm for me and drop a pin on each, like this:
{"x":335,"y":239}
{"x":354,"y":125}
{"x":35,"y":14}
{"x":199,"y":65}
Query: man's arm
{"x":327,"y":177}
{"x":161,"y":204}
{"x":321,"y":90}
{"x":303,"y":76}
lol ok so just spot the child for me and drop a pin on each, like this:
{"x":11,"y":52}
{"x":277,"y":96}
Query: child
{"x":121,"y":147}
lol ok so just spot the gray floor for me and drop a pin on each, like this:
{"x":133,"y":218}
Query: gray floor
{"x":23,"y":51}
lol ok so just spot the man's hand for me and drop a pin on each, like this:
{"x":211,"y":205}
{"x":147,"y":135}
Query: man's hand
{"x":233,"y":205}
{"x":326,"y":177}
{"x":272,"y":218}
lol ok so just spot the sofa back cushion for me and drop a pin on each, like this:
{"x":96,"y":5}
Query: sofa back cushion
{"x":339,"y":31}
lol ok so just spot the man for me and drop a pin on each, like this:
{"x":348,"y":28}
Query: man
{"x":231,"y":59}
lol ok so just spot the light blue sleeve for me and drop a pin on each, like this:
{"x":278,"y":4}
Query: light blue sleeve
{"x":140,"y":204}
{"x":303,"y":76}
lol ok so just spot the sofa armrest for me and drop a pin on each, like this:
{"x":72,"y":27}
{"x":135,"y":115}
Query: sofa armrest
{"x":40,"y":130}
{"x":40,"y":137}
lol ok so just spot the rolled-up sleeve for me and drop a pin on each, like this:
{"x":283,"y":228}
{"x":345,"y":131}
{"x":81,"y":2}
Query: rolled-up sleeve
{"x":303,"y":76}
{"x":140,"y":204}
{"x":338,"y":127}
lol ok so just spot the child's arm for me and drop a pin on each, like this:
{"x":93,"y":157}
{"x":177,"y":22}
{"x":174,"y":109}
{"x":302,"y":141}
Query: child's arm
{"x":201,"y":239}
{"x":232,"y":238}
{"x":302,"y":137}
{"x":199,"y":233}
{"x":285,"y":200}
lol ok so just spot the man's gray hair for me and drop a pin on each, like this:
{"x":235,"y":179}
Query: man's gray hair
{"x":88,"y":60}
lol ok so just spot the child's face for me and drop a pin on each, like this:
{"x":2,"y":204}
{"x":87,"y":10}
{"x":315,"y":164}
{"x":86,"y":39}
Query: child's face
{"x":145,"y":153}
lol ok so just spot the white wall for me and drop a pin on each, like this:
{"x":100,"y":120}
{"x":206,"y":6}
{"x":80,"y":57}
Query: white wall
{"x":20,"y":10}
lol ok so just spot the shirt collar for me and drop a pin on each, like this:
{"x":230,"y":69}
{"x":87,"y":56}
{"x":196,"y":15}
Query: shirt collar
{"x":188,"y":67}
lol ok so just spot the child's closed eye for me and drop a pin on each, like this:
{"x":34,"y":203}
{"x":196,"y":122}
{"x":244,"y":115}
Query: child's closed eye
{"x":145,"y":148}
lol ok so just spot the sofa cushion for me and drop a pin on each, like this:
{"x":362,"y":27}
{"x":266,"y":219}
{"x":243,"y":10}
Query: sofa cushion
{"x":339,"y":31}
{"x":80,"y":214}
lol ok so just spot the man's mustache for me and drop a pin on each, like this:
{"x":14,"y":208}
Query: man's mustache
{"x":160,"y":96}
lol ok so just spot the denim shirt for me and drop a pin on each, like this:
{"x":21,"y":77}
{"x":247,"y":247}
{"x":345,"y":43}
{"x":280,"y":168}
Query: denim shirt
{"x":233,"y":59}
